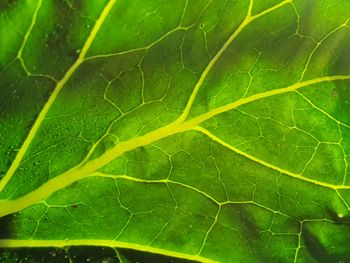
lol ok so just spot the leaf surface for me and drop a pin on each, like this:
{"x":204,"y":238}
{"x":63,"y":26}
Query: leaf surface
{"x":199,"y":130}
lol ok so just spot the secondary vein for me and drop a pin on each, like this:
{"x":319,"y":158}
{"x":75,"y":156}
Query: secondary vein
{"x":246,"y":21}
{"x":84,"y":170}
{"x":60,"y":84}
{"x":266,"y":164}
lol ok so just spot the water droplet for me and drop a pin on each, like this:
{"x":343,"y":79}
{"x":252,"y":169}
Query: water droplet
{"x":78,"y":51}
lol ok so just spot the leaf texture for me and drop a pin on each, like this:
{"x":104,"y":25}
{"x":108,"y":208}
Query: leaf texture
{"x":211,"y":131}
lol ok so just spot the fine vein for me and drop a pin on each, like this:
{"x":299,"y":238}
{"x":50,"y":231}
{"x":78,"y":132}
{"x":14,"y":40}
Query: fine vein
{"x":60,"y":84}
{"x":246,"y":21}
{"x":84,"y":170}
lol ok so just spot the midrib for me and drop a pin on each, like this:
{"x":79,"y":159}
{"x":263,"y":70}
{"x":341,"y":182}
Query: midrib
{"x":110,"y":155}
{"x":81,"y":171}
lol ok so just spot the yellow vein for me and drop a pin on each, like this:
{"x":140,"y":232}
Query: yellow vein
{"x":61,"y":83}
{"x":145,"y":48}
{"x":129,"y":178}
{"x":299,"y":243}
{"x":343,"y":200}
{"x":150,"y":181}
{"x":262,"y":95}
{"x":250,"y":8}
{"x":246,"y":21}
{"x":44,"y":191}
{"x":120,"y":259}
{"x":266,"y":164}
{"x":85,"y":169}
{"x":17,"y":243}
{"x":318,"y":44}
{"x":210,"y":65}
{"x":26,"y":36}
{"x":54,"y":95}
{"x":258,"y":205}
{"x":322,"y":111}
{"x":209,"y":231}
{"x":271,"y":9}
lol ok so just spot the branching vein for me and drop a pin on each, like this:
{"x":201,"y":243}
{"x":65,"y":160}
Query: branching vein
{"x":37,"y":124}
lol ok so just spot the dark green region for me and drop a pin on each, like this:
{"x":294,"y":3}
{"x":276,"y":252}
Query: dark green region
{"x":5,"y":227}
{"x":83,"y":255}
{"x":343,"y":92}
{"x":321,"y":253}
{"x":7,"y":4}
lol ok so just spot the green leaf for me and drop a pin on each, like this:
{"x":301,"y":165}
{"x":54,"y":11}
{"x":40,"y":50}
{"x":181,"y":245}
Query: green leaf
{"x":171,"y":131}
